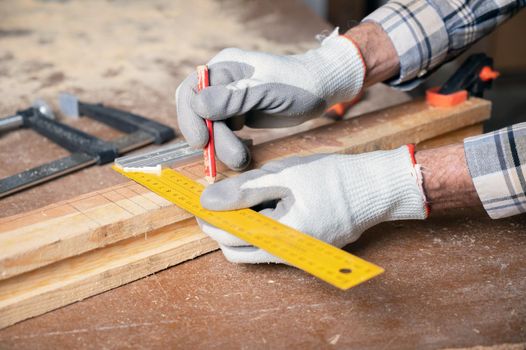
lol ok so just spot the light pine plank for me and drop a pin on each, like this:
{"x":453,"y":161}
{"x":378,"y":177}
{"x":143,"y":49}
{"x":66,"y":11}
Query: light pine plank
{"x":97,"y":219}
{"x":79,"y":277}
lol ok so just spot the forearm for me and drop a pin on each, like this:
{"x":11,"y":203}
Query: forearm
{"x":447,"y":182}
{"x":378,"y":52}
{"x":446,"y":179}
{"x":427,"y":33}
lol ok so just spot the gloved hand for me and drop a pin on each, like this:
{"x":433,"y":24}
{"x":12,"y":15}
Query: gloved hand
{"x":331,"y":197}
{"x":263,"y":90}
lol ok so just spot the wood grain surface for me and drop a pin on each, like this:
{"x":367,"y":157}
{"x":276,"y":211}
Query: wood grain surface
{"x":44,"y":239}
{"x":103,"y":217}
{"x":454,"y":281}
{"x":77,"y":278}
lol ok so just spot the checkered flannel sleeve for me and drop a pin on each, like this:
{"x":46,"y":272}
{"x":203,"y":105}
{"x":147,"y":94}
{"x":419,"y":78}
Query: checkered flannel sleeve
{"x":428,"y":33}
{"x":497,"y":164}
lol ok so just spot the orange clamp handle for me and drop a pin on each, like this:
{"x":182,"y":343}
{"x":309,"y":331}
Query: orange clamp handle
{"x":435,"y":99}
{"x":487,"y":74}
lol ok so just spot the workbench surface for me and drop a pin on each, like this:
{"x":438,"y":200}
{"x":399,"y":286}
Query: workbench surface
{"x":456,"y":280}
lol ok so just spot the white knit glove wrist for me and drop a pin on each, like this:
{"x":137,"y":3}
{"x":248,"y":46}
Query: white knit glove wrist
{"x":334,"y":198}
{"x":337,"y":69}
{"x":264,"y":90}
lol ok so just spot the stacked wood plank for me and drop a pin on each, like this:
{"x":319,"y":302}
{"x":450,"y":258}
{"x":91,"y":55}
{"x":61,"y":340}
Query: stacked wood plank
{"x":77,"y":248}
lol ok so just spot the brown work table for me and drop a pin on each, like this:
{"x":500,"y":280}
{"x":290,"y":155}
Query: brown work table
{"x":455,"y":280}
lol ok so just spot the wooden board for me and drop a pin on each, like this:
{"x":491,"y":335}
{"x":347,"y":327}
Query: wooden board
{"x":454,"y":280}
{"x":111,"y":218}
{"x":70,"y":280}
{"x":451,"y":137}
{"x":94,"y":220}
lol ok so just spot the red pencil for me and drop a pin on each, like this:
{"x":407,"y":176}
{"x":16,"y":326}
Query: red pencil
{"x":209,"y":151}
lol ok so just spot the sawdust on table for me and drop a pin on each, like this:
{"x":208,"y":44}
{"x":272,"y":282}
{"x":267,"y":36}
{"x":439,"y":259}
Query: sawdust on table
{"x":105,"y":50}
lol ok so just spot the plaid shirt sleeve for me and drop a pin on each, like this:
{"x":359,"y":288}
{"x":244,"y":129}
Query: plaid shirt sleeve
{"x":497,"y":164}
{"x":428,"y":33}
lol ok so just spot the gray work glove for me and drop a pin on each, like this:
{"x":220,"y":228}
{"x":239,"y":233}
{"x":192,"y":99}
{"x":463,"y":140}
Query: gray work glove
{"x":331,"y":197}
{"x":263,"y":90}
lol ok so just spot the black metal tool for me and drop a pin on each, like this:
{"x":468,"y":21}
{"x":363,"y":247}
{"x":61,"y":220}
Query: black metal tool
{"x":474,"y":76}
{"x":121,"y":120}
{"x":17,"y":120}
{"x":85,"y":149}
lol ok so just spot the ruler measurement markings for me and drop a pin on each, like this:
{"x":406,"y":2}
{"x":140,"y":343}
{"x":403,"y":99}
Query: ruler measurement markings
{"x":305,"y":252}
{"x":258,"y":218}
{"x":255,"y":236}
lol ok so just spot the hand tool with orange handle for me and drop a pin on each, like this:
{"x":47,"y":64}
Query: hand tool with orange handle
{"x":474,"y":76}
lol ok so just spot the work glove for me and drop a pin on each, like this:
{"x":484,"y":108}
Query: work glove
{"x":263,"y":90}
{"x":332,"y":197}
